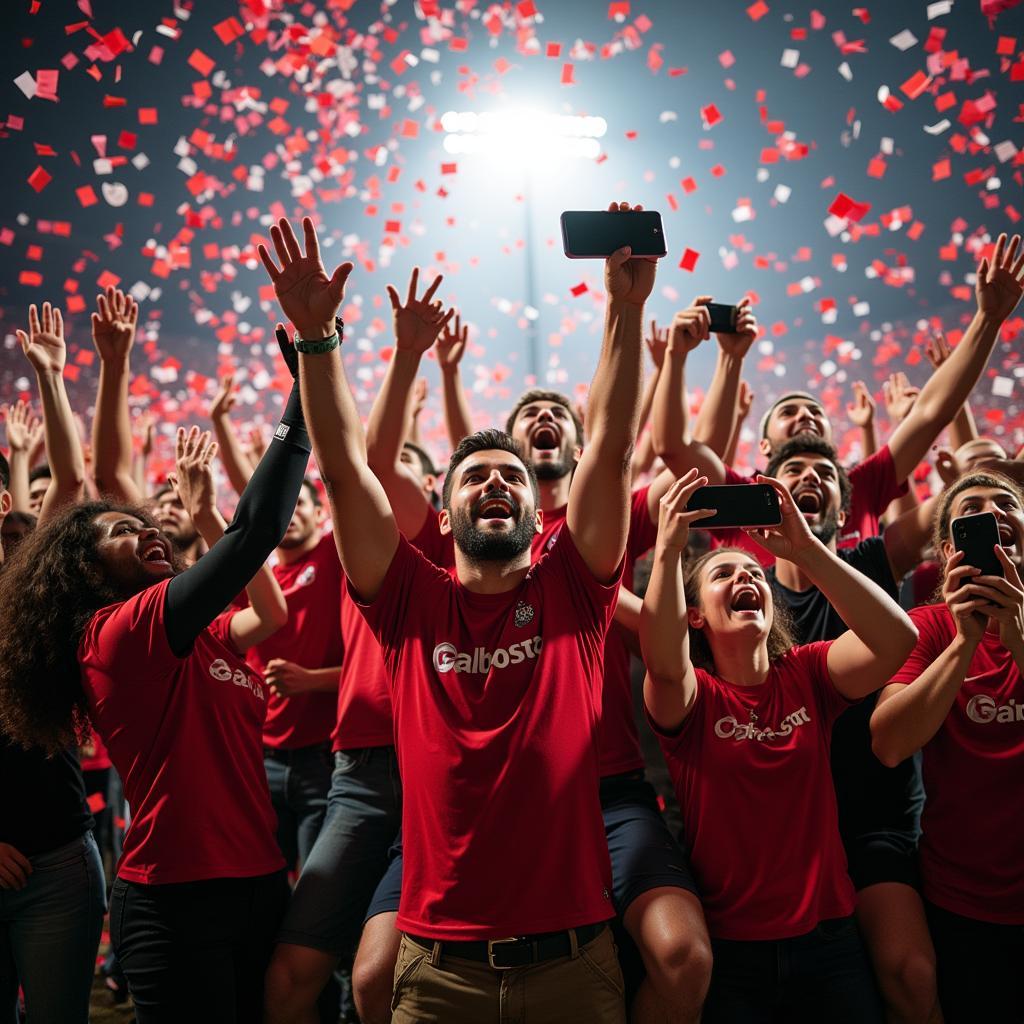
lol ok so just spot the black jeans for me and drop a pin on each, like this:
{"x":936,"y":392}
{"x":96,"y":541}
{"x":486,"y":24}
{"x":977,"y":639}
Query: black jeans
{"x":979,"y":968}
{"x":299,"y":780}
{"x":823,"y":975}
{"x":197,"y":951}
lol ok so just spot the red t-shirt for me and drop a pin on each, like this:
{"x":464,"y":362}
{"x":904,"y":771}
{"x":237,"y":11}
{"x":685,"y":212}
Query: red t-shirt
{"x":496,"y":700}
{"x":185,"y":736}
{"x":972,"y":843}
{"x":874,"y":486}
{"x":311,"y":638}
{"x":364,"y":700}
{"x":618,"y":740}
{"x":751,"y":770}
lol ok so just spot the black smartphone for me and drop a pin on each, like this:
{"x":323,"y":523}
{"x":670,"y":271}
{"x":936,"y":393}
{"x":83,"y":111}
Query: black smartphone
{"x":737,"y":506}
{"x":723,"y":318}
{"x":976,"y":536}
{"x":596,"y":234}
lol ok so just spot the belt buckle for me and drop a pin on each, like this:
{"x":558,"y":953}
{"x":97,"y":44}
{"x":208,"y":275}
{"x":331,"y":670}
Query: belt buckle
{"x":491,"y":943}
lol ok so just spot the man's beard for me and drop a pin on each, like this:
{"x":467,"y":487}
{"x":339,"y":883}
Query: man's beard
{"x":288,"y":542}
{"x":480,"y":546}
{"x":827,"y":526}
{"x":565,"y":464}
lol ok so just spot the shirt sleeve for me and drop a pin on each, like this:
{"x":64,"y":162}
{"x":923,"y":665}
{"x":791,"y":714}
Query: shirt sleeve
{"x":591,"y":599}
{"x":672,"y":742}
{"x":437,"y":547}
{"x":934,"y":633}
{"x":874,"y":481}
{"x":811,"y":660}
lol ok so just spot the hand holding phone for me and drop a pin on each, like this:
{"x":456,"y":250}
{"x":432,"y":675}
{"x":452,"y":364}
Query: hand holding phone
{"x":596,"y":234}
{"x":737,"y":506}
{"x":977,"y":536}
{"x":723,"y":318}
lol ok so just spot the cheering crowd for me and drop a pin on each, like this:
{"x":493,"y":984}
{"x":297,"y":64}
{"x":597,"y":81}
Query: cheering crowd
{"x":407,"y":744}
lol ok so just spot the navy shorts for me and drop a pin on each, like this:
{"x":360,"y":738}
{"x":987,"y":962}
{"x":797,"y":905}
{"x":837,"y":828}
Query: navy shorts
{"x":643,"y":853}
{"x":389,"y":889}
{"x":889,"y":856}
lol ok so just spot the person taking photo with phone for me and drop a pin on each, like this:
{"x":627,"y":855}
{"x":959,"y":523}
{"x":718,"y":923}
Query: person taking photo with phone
{"x":745,"y":721}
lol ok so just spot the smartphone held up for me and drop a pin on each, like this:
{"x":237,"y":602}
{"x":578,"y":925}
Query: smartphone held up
{"x":737,"y":506}
{"x":596,"y":234}
{"x":977,"y":536}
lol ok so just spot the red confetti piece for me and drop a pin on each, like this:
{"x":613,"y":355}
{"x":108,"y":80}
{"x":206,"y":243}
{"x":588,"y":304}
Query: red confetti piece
{"x":526,"y":9}
{"x":757,"y":11}
{"x":844,"y":206}
{"x":553,"y":50}
{"x":32,"y":278}
{"x":618,"y":9}
{"x":689,"y":260}
{"x":203,"y":64}
{"x":449,"y":168}
{"x":711,"y":115}
{"x":40,"y":178}
{"x":915,"y":85}
{"x":148,"y":115}
{"x":228,"y":30}
{"x":567,"y":74}
{"x":578,"y":289}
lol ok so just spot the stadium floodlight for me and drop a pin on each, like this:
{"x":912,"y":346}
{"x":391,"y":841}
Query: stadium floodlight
{"x":523,"y":135}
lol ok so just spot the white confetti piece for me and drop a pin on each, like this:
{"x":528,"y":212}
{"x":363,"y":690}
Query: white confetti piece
{"x":904,"y":40}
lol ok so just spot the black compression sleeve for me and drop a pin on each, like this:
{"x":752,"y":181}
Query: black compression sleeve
{"x":198,"y":595}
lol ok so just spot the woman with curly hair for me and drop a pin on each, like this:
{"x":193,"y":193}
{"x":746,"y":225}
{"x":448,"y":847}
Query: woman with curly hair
{"x":745,"y":719}
{"x":102,"y":624}
{"x":959,"y":699}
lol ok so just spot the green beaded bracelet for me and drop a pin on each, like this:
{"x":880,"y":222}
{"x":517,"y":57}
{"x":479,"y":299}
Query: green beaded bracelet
{"x":316,"y":348}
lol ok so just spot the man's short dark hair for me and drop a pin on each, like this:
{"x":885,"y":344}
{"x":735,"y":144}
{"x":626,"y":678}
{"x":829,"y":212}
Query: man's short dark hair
{"x":427,"y":467}
{"x":314,"y":493}
{"x":5,"y":472}
{"x":485,"y":441}
{"x":41,"y":472}
{"x":811,"y":444}
{"x":543,"y":395}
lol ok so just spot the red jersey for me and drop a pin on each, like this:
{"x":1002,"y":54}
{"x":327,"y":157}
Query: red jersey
{"x":364,"y":699}
{"x":972,"y":843}
{"x":874,"y":486}
{"x":185,"y":736}
{"x":618,"y":740}
{"x":751,"y":769}
{"x":496,"y":700}
{"x":311,"y":638}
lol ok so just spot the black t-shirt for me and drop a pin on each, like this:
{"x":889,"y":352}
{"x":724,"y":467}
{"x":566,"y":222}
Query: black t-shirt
{"x":42,"y":799}
{"x":871,"y":797}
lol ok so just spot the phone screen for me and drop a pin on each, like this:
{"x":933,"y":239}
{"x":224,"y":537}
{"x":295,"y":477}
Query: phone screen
{"x":976,"y":536}
{"x":596,"y":234}
{"x":737,"y":506}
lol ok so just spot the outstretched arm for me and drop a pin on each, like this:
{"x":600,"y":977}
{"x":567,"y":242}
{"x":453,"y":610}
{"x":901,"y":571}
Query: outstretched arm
{"x":45,"y":349}
{"x":267,"y":611}
{"x":743,"y":406}
{"x":861,"y":412}
{"x":364,"y":525}
{"x":417,"y":324}
{"x":671,"y":684}
{"x":963,"y":427}
{"x":236,"y":463}
{"x":450,"y":348}
{"x":879,"y":636}
{"x":113,"y":334}
{"x":598,"y":511}
{"x":998,"y":290}
{"x":24,"y":433}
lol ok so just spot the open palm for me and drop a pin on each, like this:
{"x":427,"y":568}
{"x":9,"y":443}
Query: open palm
{"x":113,"y":327}
{"x":308,"y":297}
{"x":419,"y":321}
{"x":998,"y":288}
{"x":44,"y":345}
{"x":451,"y":343}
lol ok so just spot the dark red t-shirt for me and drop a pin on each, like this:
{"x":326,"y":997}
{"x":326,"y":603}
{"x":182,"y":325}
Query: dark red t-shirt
{"x":972,"y":842}
{"x":496,"y":700}
{"x":751,"y":771}
{"x":311,"y":638}
{"x":364,"y":699}
{"x":874,"y":486}
{"x":185,"y":736}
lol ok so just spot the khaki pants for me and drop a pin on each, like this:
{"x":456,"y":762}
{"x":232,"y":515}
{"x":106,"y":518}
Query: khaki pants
{"x":432,"y":986}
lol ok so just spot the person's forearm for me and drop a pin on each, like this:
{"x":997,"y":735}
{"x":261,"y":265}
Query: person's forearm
{"x":717,"y":417}
{"x":613,"y":404}
{"x":734,"y":439}
{"x":63,"y":445}
{"x":647,"y":401}
{"x":324,"y":680}
{"x":112,"y":433}
{"x":627,"y":610}
{"x":662,"y":623}
{"x":19,"y":480}
{"x":903,"y":722}
{"x":963,"y":427}
{"x":868,"y":439}
{"x":670,"y":414}
{"x":457,"y":419}
{"x":389,"y":416}
{"x":903,"y":504}
{"x":236,"y":463}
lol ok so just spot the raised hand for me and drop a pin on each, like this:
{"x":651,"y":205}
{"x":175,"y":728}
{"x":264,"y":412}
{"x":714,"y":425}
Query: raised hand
{"x":657,"y":343}
{"x":937,"y":349}
{"x":861,"y":411}
{"x":690,"y":326}
{"x":792,"y":537}
{"x":744,"y":400}
{"x":1007,"y":603}
{"x":194,"y":477}
{"x":899,"y":395}
{"x":968,"y":605}
{"x":451,"y":342}
{"x":738,"y":342}
{"x":947,"y":466}
{"x":113,"y":326}
{"x":309,"y":298}
{"x":419,"y":396}
{"x":420,"y":320}
{"x":286,"y":679}
{"x":224,"y":401}
{"x":998,"y":288}
{"x":674,"y":520}
{"x":257,"y":445}
{"x":629,"y":279}
{"x":44,"y":345}
{"x":145,"y":427}
{"x":24,"y":427}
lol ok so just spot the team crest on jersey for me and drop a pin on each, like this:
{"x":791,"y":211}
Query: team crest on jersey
{"x":524,"y":614}
{"x":306,"y":576}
